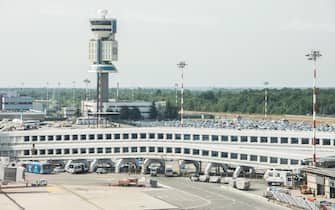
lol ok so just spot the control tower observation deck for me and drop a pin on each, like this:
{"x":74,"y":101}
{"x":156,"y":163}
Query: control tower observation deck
{"x":103,"y":51}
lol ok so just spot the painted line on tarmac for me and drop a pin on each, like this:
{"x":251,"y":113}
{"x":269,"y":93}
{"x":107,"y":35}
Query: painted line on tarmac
{"x":12,"y":199}
{"x":207,"y":202}
{"x":82,"y":197}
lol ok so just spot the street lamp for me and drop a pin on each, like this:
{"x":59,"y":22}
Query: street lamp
{"x":181,"y":65}
{"x":313,"y":56}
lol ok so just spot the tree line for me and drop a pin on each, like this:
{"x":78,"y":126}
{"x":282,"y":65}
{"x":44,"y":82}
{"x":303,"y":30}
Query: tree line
{"x":249,"y":101}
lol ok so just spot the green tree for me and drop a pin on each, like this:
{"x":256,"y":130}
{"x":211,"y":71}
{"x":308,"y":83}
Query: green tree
{"x":134,"y":114}
{"x":153,"y":111}
{"x":124,"y":113}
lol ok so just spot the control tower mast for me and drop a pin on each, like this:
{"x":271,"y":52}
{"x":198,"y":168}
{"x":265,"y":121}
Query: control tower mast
{"x":103,"y":50}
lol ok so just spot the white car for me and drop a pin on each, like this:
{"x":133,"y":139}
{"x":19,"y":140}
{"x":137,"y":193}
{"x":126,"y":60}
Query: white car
{"x":101,"y":171}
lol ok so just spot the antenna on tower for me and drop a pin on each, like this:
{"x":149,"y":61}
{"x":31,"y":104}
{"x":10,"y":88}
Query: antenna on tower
{"x":103,"y":13}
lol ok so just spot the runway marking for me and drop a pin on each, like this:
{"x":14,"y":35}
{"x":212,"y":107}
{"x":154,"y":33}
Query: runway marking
{"x":82,"y":197}
{"x":207,"y":202}
{"x":12,"y":199}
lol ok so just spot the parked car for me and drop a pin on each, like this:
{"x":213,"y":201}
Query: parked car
{"x":101,"y":171}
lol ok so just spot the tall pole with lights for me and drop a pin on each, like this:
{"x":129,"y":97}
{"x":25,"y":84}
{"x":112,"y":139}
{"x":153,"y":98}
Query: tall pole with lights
{"x":265,"y":100}
{"x":176,"y":89}
{"x":181,"y":65}
{"x":313,"y":56}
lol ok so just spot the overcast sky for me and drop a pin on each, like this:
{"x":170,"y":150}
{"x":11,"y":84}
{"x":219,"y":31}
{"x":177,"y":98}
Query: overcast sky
{"x":226,"y":43}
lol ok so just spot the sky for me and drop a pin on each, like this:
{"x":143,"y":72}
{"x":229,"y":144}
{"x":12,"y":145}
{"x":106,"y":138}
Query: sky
{"x":226,"y":43}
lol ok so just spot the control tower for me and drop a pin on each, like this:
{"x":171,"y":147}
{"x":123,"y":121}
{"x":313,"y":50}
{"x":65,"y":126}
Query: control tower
{"x":103,"y":51}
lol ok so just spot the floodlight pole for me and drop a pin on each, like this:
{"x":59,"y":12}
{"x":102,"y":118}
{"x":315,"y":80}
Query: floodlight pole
{"x":265,"y":100}
{"x":313,"y":56}
{"x":181,"y":65}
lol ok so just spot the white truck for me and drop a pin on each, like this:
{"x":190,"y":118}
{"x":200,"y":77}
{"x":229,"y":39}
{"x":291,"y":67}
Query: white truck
{"x":279,"y":177}
{"x":77,"y":168}
{"x":169,"y":172}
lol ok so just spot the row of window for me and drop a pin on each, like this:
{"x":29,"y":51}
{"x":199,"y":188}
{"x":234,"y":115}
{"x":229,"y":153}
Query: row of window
{"x":170,"y":136}
{"x":167,"y":150}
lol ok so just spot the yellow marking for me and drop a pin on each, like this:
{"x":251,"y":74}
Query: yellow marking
{"x":52,"y":189}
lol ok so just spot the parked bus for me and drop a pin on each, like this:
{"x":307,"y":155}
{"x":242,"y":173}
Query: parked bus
{"x":38,"y":168}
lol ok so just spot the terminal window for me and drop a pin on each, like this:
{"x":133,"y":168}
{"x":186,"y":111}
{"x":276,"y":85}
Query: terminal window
{"x":205,"y":152}
{"x":304,"y":141}
{"x":196,"y":152}
{"x":187,"y":136}
{"x":253,"y":139}
{"x":205,"y":137}
{"x":100,"y":150}
{"x":253,"y":157}
{"x":294,"y":162}
{"x":26,"y":138}
{"x":26,"y":152}
{"x":83,"y":151}
{"x":294,"y":140}
{"x":133,"y":149}
{"x":325,"y":141}
{"x":196,"y":137}
{"x":244,"y":138}
{"x":233,"y":155}
{"x":143,"y":149}
{"x":58,"y":151}
{"x":143,"y":135}
{"x":283,"y":140}
{"x":263,"y":159}
{"x":264,"y":139}
{"x":224,"y":138}
{"x":151,"y":135}
{"x":215,"y":154}
{"x":274,"y":140}
{"x":243,"y":157}
{"x":66,"y":151}
{"x":215,"y":138}
{"x":233,"y":138}
{"x":273,"y":160}
{"x":224,"y":154}
{"x":283,"y":161}
{"x":108,"y":150}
